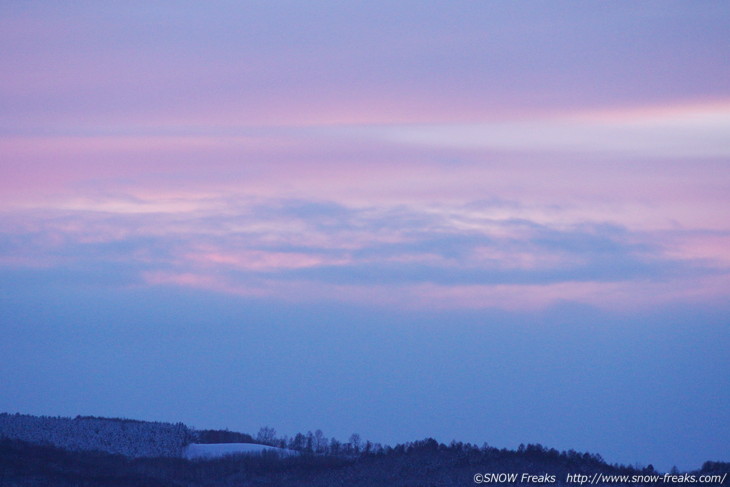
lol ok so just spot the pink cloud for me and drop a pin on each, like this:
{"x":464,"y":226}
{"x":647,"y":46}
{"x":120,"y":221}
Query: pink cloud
{"x":343,"y":165}
{"x":714,"y":249}
{"x":258,"y":260}
{"x":624,"y":296}
{"x":613,"y":296}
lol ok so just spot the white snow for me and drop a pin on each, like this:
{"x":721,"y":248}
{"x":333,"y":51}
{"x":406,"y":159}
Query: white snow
{"x":217,"y":450}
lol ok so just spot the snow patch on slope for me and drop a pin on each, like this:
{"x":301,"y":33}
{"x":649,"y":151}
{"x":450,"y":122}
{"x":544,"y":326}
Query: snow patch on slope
{"x":216,"y":450}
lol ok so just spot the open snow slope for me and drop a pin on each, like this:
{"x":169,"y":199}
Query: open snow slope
{"x":216,"y":450}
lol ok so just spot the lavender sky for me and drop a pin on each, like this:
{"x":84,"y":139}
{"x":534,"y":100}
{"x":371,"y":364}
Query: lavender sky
{"x":482,"y":221}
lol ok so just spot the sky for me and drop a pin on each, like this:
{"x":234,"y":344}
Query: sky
{"x":483,"y":221}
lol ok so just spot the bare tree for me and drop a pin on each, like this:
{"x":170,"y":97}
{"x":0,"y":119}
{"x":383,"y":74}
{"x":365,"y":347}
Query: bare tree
{"x":266,"y":436}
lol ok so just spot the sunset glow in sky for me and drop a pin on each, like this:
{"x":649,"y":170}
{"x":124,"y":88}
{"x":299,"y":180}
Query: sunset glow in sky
{"x":487,"y":221}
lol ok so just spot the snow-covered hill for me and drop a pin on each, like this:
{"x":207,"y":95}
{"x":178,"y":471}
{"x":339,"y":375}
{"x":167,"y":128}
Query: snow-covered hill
{"x":216,"y":450}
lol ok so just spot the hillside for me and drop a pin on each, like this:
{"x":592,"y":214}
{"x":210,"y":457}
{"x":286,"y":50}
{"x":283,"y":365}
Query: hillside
{"x":127,"y":437}
{"x":421,"y":463}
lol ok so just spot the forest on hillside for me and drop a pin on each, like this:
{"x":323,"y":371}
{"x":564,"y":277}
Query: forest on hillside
{"x":322,"y":462}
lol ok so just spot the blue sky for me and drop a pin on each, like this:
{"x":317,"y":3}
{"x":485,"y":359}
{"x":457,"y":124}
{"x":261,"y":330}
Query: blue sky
{"x":472,"y":221}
